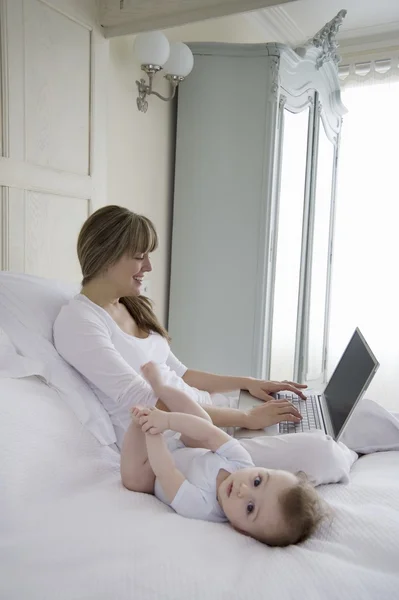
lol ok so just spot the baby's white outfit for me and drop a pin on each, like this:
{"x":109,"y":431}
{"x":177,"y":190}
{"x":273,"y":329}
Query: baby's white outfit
{"x":196,"y":497}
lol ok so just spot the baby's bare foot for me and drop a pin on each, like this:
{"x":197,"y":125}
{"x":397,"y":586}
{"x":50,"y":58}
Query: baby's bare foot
{"x":153,"y":375}
{"x":137,"y":412}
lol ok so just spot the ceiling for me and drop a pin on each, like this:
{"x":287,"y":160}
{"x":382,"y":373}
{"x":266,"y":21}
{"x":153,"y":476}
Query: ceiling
{"x":367,"y":23}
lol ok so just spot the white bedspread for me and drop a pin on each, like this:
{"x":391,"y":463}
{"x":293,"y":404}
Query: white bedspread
{"x":70,"y":531}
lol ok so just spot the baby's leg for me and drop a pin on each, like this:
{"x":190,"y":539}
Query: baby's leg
{"x":136,"y":472}
{"x":176,"y":400}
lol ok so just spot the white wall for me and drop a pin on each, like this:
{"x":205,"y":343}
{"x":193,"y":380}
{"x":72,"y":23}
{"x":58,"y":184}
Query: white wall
{"x":141,"y":146}
{"x":140,"y":154}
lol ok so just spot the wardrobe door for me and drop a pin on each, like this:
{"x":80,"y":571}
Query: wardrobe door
{"x":295,"y":141}
{"x":220,"y":209}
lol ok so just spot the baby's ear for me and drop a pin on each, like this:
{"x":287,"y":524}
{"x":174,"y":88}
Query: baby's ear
{"x":303,"y":478}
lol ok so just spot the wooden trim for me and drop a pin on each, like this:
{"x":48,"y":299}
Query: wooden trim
{"x":159,"y":18}
{"x":20,"y":174}
{"x":4,"y":232}
{"x":64,"y":8}
{"x":4,"y":124}
{"x":4,"y":135}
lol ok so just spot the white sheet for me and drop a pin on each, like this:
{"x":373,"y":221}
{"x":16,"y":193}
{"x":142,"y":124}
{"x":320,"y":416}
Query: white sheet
{"x":70,"y":531}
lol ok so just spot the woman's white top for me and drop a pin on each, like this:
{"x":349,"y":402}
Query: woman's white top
{"x":109,"y":359}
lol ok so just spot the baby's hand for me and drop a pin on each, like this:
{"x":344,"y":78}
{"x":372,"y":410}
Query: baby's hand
{"x":153,"y":375}
{"x":154,"y":421}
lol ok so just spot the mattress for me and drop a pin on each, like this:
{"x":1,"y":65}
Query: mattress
{"x":69,"y":530}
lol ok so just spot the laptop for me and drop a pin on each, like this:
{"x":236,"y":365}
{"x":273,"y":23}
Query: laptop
{"x":332,"y":409}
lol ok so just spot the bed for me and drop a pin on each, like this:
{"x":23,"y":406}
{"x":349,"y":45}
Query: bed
{"x":69,"y":530}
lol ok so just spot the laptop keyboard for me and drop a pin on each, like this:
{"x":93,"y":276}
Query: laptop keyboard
{"x":308,"y":410}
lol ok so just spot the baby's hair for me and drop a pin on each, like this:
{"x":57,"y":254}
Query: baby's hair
{"x":303,"y":510}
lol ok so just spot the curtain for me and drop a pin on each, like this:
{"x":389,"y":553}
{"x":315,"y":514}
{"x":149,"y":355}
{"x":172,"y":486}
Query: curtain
{"x":365,"y":270}
{"x":369,"y":72}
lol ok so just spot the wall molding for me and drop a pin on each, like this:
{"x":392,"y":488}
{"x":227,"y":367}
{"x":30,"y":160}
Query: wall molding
{"x":159,"y":14}
{"x":19,"y":174}
{"x":4,"y":85}
{"x":278,"y":26}
{"x":4,"y":233}
{"x":4,"y":137}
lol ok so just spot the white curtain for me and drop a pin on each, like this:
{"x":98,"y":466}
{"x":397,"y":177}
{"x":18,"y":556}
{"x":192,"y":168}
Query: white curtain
{"x":365,"y":277}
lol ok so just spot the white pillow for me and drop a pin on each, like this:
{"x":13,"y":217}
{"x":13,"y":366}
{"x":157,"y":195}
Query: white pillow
{"x":28,"y":308}
{"x":35,"y":301}
{"x":15,"y":366}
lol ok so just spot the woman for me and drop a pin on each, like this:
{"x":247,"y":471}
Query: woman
{"x":109,"y":331}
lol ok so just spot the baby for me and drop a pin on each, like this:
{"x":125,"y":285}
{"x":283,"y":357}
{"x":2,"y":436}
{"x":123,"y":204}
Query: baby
{"x":206,"y":474}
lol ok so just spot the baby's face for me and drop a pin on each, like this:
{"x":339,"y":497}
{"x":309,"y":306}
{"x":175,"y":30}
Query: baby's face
{"x":250,"y":500}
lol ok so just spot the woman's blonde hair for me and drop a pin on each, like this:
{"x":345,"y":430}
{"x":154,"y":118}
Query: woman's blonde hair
{"x":105,"y":237}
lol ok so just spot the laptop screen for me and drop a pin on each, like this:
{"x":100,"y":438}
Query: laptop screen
{"x":350,"y":377}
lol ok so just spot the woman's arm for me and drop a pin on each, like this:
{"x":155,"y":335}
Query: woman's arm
{"x":84,"y":341}
{"x":257,"y":417}
{"x":257,"y":387}
{"x":214,"y":383}
{"x":226,"y":417}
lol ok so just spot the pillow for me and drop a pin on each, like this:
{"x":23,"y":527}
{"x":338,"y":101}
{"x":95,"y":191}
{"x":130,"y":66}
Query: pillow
{"x":29,"y":306}
{"x":318,"y":455}
{"x":15,"y":366}
{"x":35,"y":301}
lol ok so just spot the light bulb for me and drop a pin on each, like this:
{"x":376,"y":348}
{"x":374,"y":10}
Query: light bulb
{"x":152,"y":48}
{"x":180,"y":61}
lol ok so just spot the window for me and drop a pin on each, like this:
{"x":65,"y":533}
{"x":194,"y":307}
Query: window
{"x":365,"y":280}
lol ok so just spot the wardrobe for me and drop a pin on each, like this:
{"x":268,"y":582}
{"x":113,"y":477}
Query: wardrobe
{"x":257,"y":143}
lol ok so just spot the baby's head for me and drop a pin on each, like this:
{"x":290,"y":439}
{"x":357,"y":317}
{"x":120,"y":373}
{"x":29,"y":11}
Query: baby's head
{"x":274,"y":507}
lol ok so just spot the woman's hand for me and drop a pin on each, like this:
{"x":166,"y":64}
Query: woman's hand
{"x":263,"y":389}
{"x":271,"y":413}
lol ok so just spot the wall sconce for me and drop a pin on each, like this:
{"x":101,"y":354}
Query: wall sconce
{"x":155,"y":54}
